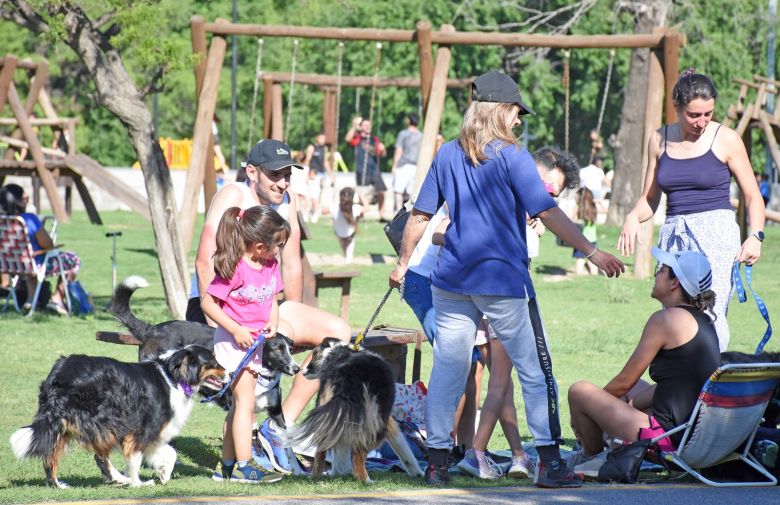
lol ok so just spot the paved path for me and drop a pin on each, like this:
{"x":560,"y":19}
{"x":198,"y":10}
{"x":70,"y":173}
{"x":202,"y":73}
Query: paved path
{"x":656,"y":494}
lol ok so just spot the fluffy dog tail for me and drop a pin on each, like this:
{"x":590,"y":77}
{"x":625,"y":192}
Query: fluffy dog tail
{"x":340,"y":421}
{"x":40,"y":439}
{"x":120,"y":307}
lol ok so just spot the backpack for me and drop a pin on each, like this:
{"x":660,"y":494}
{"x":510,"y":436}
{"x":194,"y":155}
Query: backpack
{"x":80,"y":299}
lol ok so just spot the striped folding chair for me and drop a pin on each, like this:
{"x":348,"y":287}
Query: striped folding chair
{"x":17,"y":258}
{"x":727,"y":415}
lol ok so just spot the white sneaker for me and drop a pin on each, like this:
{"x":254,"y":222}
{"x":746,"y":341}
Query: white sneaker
{"x":587,"y":466}
{"x":482,"y":468}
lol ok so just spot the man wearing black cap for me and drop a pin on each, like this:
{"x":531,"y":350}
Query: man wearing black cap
{"x":268,"y":167}
{"x":407,"y":148}
{"x":490,"y":183}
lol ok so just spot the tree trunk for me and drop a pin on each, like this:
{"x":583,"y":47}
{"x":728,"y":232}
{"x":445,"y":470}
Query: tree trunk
{"x":627,"y":183}
{"x":117,"y":92}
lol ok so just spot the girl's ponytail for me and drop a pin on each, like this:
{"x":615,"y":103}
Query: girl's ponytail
{"x":230,"y":243}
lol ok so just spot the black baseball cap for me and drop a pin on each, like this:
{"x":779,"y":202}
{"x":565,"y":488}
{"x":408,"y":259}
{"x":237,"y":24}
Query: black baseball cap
{"x":270,"y":154}
{"x":498,"y":87}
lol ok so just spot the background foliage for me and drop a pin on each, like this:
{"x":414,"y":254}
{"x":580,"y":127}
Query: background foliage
{"x":726,"y":39}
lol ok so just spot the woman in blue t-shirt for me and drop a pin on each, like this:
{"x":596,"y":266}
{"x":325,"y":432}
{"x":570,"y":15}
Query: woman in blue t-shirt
{"x":13,"y":201}
{"x":489,"y":183}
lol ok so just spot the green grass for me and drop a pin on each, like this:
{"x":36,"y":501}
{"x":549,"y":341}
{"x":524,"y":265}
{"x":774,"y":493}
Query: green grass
{"x":592,"y":323}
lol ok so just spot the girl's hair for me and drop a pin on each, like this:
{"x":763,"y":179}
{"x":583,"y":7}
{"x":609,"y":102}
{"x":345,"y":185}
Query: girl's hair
{"x":238,"y":230}
{"x":586,"y":206}
{"x":690,"y":86}
{"x":555,"y":158}
{"x":11,"y":200}
{"x":704,"y":301}
{"x":346,"y":200}
{"x":485,"y":122}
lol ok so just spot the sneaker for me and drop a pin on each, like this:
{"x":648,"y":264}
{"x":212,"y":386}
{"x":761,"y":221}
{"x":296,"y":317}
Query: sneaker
{"x":585,"y":466}
{"x":222,"y":472}
{"x":260,"y":458}
{"x":436,"y":475}
{"x":482,"y":468}
{"x":555,"y":474}
{"x":274,"y":448}
{"x":521,"y":467}
{"x":252,"y":474}
{"x":58,"y":308}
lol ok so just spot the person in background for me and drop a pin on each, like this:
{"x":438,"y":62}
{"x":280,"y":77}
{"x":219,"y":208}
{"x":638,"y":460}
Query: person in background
{"x":586,"y":214}
{"x":13,"y":201}
{"x":692,"y":161}
{"x":368,"y":150}
{"x":320,"y":174}
{"x":407,"y":148}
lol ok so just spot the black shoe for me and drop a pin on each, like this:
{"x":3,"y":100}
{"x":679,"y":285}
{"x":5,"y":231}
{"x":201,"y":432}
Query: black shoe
{"x":436,"y":475}
{"x":555,"y":474}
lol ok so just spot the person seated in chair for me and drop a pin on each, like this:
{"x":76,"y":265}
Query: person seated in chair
{"x":679,"y":345}
{"x":13,"y":201}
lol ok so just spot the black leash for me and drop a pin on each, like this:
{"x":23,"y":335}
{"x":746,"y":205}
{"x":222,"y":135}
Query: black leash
{"x":363,"y":333}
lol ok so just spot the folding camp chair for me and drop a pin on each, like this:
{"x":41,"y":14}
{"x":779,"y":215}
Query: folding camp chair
{"x":730,"y":408}
{"x":17,"y":258}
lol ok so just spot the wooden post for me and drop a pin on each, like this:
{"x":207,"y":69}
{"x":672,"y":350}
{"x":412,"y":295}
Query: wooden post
{"x":268,"y":100}
{"x":6,"y":77}
{"x":329,"y":116}
{"x":36,"y":85}
{"x":672,"y":42}
{"x":425,"y":52}
{"x":654,"y":103}
{"x":198,"y":28}
{"x":433,"y":116}
{"x":769,"y":134}
{"x":200,"y":139}
{"x":37,"y":154}
{"x":277,"y":114}
{"x":742,"y":215}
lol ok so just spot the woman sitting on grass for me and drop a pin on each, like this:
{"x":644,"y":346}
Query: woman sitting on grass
{"x":13,"y":201}
{"x":679,"y":345}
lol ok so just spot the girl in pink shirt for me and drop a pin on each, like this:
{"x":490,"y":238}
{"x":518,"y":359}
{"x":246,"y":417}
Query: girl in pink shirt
{"x":242,"y":301}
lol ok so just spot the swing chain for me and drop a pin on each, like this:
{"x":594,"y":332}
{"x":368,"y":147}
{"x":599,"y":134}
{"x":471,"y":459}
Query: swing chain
{"x":258,"y":67}
{"x":291,"y":93}
{"x":566,"y":87}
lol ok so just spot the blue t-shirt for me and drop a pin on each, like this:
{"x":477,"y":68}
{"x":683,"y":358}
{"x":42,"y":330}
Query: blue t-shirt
{"x":33,"y":225}
{"x":485,"y":251}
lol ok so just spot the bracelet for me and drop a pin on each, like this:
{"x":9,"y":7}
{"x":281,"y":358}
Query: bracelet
{"x":589,"y":256}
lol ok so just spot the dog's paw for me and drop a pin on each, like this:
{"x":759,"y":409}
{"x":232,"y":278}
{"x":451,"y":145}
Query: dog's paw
{"x":60,"y":484}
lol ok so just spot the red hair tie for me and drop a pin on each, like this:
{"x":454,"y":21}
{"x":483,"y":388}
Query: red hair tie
{"x":241,"y":213}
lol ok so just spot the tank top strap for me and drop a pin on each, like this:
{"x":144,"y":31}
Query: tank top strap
{"x":713,"y":137}
{"x":666,"y":136}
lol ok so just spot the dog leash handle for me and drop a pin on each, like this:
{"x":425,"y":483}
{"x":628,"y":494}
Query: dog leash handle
{"x":737,"y":280}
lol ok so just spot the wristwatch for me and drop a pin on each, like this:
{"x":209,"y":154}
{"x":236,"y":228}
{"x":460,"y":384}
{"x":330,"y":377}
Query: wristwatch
{"x":759,"y":235}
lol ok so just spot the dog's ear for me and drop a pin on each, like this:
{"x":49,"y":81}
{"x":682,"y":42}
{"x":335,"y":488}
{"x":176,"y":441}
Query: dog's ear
{"x":330,"y":342}
{"x":184,"y":366}
{"x":286,"y":339}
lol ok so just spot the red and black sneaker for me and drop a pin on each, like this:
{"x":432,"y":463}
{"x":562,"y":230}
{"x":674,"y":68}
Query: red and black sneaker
{"x":556,"y":474}
{"x":437,"y":475}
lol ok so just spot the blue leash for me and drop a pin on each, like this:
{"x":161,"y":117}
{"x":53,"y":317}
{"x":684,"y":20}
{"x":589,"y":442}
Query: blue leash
{"x":249,"y":353}
{"x":735,"y":277}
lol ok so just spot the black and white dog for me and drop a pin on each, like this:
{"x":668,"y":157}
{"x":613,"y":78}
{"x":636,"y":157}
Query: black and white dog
{"x":356,"y":395}
{"x":276,"y":360}
{"x":105,"y":404}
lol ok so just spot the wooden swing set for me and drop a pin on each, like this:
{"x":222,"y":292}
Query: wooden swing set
{"x":433,"y":82}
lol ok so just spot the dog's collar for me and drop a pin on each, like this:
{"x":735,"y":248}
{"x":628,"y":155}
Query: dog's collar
{"x":268,"y":381}
{"x":186,"y":389}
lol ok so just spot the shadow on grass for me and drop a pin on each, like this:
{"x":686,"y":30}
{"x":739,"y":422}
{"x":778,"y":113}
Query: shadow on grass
{"x":75,"y":482}
{"x":550,"y":270}
{"x":203,"y":454}
{"x":148,"y":252}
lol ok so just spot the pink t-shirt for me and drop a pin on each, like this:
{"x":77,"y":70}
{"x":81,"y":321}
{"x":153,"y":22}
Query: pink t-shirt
{"x":247,"y":299}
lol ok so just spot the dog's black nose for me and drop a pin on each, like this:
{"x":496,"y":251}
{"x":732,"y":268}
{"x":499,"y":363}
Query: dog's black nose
{"x":296,"y":369}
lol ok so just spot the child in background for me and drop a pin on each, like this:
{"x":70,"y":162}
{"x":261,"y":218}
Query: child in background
{"x":586,"y":214}
{"x":242,"y":301}
{"x":345,"y":215}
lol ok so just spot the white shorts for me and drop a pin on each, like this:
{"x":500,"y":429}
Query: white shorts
{"x":485,"y":332}
{"x":403,"y":178}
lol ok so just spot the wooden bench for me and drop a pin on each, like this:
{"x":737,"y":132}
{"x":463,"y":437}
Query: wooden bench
{"x":388,"y":342}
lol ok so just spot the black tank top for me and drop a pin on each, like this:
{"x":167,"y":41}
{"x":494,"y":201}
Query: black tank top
{"x":317,"y":162}
{"x":681,"y":372}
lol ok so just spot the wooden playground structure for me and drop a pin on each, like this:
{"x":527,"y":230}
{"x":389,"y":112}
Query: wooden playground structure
{"x":51,"y":167}
{"x":747,"y":114}
{"x":433,"y":82}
